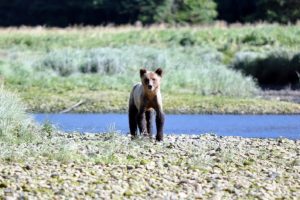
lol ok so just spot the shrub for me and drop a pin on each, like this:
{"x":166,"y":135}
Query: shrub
{"x":190,"y":69}
{"x":277,"y":11}
{"x":256,"y":38}
{"x":273,"y":70}
{"x":295,"y":63}
{"x":104,"y":61}
{"x":15,"y":124}
{"x":186,"y":11}
{"x":21,"y":138}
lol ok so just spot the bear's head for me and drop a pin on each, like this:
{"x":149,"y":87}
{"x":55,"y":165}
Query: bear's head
{"x":151,"y":80}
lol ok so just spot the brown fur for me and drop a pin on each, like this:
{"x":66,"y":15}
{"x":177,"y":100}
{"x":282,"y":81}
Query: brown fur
{"x":144,"y":98}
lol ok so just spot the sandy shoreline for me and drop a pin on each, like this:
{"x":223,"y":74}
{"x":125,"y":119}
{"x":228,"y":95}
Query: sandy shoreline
{"x":182,"y":167}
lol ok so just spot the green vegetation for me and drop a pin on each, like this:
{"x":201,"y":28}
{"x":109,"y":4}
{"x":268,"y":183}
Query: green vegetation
{"x":183,"y":11}
{"x":21,"y":138}
{"x":272,"y":69}
{"x":46,"y":100}
{"x":277,"y":11}
{"x":225,"y":39}
{"x":53,"y":69}
{"x":14,"y":122}
{"x":195,"y":70}
{"x":258,"y":10}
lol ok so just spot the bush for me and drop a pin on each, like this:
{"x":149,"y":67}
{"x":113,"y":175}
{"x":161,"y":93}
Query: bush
{"x":15,"y":124}
{"x":67,"y":62}
{"x":191,"y":69}
{"x":186,"y":11}
{"x":21,"y":139}
{"x":256,"y":38}
{"x":277,"y":11}
{"x":277,"y":69}
{"x":295,"y":63}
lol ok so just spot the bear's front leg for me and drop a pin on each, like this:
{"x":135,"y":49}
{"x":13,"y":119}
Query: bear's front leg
{"x":141,"y":121}
{"x":132,"y":120}
{"x":149,"y":114}
{"x":160,"y":120}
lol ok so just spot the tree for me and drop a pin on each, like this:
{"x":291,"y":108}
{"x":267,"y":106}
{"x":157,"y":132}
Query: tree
{"x":282,"y":11}
{"x":236,"y":10}
{"x":186,"y":11}
{"x":97,"y":12}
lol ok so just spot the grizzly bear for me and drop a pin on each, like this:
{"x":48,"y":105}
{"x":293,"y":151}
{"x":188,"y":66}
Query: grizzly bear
{"x":144,"y":98}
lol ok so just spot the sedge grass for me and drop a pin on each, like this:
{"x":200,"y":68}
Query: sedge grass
{"x":218,"y":36}
{"x":194,"y":70}
{"x":22,"y":139}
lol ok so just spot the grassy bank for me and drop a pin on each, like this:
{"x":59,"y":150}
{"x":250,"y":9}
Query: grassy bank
{"x":117,"y":101}
{"x":53,"y":69}
{"x":219,"y":36}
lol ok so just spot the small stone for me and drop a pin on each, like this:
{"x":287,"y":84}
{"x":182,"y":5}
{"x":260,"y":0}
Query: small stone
{"x":54,"y":175}
{"x":151,"y":151}
{"x":25,"y":188}
{"x":3,"y":185}
{"x":130,"y":167}
{"x":106,"y":187}
{"x":150,"y":166}
{"x":296,"y":162}
{"x":60,"y":192}
{"x":28,"y":167}
{"x":8,"y":192}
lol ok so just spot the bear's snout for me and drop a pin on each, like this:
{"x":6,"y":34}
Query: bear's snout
{"x":150,"y":87}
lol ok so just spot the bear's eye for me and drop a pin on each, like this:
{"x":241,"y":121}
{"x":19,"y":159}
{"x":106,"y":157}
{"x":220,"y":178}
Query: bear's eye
{"x":153,"y":79}
{"x":146,"y":80}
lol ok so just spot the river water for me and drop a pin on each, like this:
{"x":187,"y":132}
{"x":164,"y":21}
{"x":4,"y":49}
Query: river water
{"x":262,"y":126}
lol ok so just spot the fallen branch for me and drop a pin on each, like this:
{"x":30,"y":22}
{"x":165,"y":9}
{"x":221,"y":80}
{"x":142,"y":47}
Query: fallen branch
{"x":73,"y":107}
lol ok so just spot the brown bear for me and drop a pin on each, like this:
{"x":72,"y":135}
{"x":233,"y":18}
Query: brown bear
{"x":144,"y":98}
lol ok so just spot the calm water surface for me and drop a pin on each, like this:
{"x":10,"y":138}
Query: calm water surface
{"x":265,"y":126}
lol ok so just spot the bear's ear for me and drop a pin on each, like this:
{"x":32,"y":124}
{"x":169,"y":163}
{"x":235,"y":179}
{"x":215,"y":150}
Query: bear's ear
{"x":159,"y":72}
{"x":142,"y":72}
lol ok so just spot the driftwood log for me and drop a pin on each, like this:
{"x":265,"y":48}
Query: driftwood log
{"x":73,"y":106}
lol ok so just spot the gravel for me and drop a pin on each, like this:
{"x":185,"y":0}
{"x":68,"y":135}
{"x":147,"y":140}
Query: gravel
{"x":182,"y":167}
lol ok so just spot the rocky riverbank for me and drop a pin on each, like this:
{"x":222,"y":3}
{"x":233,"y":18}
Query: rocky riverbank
{"x":281,"y":95}
{"x":111,"y":166}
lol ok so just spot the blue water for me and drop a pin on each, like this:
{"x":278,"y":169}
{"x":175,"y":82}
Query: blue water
{"x":262,"y":126}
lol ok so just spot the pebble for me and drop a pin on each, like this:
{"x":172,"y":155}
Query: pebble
{"x":182,"y":167}
{"x":130,"y":167}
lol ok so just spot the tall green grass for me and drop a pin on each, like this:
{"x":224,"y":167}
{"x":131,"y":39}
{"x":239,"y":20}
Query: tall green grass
{"x":21,"y":138}
{"x":194,"y":70}
{"x":218,"y":36}
{"x":15,"y":124}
